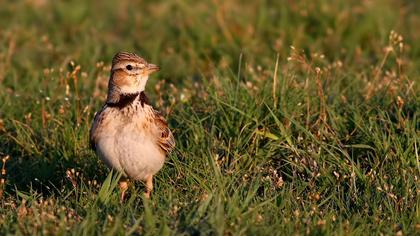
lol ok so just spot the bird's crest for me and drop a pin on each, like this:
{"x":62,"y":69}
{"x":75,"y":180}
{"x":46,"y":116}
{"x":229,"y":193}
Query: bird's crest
{"x":127,"y":56}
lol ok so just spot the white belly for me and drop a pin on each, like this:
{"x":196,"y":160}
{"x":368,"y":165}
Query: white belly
{"x":131,"y":151}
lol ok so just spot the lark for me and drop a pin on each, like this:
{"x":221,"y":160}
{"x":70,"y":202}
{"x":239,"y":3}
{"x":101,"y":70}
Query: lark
{"x":128,"y":134}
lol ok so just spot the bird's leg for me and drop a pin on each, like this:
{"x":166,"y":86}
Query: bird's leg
{"x":123,"y":184}
{"x":149,"y":186}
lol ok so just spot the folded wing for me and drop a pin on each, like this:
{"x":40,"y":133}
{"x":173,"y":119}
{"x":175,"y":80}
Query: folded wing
{"x":166,"y":140}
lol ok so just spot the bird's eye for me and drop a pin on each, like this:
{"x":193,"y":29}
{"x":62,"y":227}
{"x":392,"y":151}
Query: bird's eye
{"x":129,"y":67}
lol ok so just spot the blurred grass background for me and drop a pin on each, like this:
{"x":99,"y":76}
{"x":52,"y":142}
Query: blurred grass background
{"x":289,"y":116}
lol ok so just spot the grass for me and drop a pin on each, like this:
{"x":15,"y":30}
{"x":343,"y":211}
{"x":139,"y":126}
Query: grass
{"x":318,"y":138}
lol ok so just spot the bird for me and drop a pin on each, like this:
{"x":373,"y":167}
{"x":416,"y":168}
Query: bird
{"x":128,"y":134}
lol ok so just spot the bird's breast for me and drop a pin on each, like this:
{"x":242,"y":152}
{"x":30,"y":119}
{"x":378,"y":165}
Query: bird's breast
{"x":128,"y":144}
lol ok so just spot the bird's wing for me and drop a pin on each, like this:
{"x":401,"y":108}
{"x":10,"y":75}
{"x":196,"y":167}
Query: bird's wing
{"x":166,"y":140}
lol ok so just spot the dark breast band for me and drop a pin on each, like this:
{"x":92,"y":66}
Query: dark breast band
{"x":128,"y":99}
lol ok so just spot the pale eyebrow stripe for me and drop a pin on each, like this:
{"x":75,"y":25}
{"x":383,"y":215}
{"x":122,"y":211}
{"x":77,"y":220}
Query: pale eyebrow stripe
{"x":122,"y":68}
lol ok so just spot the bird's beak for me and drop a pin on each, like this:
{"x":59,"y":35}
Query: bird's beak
{"x":152,"y":68}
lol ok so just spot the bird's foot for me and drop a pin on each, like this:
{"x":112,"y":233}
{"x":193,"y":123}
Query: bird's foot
{"x":123,"y":184}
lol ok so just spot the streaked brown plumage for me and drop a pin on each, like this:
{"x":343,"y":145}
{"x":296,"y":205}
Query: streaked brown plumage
{"x":128,"y":134}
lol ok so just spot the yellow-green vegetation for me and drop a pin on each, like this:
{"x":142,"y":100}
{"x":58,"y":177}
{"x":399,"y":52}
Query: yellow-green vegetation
{"x":289,"y":116}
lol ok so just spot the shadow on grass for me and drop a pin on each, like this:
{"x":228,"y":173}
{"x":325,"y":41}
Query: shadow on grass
{"x":45,"y":172}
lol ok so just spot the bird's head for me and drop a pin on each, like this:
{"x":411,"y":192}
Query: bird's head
{"x":129,"y":74}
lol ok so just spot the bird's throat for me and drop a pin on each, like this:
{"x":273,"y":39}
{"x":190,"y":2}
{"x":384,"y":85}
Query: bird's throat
{"x":126,"y":99}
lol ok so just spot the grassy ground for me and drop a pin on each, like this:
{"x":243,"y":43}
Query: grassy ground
{"x":318,"y":138}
